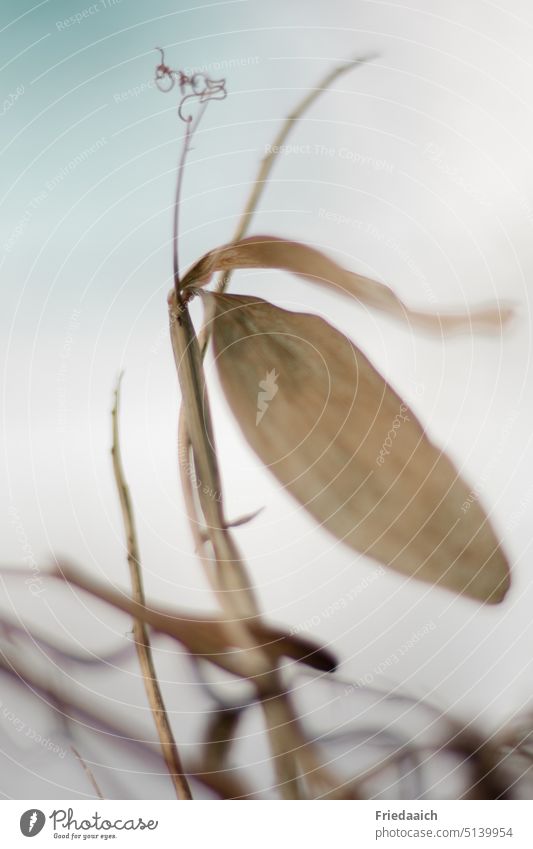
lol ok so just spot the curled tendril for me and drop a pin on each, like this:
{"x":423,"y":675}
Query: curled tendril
{"x":197,"y":87}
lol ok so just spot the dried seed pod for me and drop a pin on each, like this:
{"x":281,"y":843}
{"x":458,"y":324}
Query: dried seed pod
{"x":340,"y":439}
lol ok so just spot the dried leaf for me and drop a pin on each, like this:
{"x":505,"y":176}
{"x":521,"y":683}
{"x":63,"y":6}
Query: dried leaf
{"x":307,"y":262}
{"x":341,"y":440}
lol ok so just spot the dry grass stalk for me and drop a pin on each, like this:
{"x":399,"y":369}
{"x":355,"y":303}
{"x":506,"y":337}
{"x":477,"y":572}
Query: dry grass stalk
{"x":267,"y":163}
{"x":88,"y":772}
{"x":142,"y":642}
{"x":288,"y":743}
{"x":232,"y":582}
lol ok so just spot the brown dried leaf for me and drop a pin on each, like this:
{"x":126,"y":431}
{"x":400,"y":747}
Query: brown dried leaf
{"x":341,"y":440}
{"x":307,"y":262}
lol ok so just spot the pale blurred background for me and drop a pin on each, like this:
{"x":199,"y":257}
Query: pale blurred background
{"x":416,"y":168}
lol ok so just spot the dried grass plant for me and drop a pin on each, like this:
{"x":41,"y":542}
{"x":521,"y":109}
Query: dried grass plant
{"x":328,"y":421}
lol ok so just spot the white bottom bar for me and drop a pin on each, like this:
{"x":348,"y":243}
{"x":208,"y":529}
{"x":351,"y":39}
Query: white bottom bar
{"x":263,"y":825}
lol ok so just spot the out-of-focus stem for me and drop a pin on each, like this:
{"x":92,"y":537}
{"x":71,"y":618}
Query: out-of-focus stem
{"x":140,"y":632}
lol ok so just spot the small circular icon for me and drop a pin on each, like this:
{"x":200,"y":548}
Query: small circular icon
{"x":32,"y":822}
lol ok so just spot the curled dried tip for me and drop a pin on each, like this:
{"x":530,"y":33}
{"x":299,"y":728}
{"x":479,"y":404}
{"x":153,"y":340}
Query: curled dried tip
{"x":198,"y":86}
{"x":165,"y":77}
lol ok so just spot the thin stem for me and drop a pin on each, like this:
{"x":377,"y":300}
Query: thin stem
{"x":140,"y":631}
{"x":267,"y":163}
{"x":89,"y":773}
{"x":185,"y":148}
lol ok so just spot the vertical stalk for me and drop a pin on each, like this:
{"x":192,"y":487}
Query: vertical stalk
{"x":140,"y":631}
